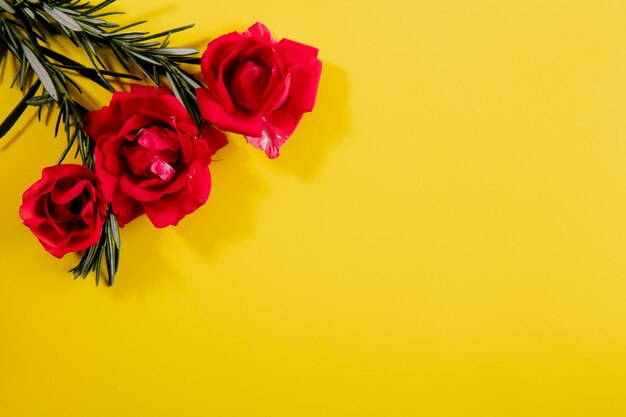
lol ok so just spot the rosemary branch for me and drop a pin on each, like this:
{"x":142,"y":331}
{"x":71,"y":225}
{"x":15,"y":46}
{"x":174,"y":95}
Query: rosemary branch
{"x":46,"y":78}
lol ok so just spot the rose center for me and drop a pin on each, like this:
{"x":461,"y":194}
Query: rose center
{"x":248,"y":85}
{"x":76,"y":206}
{"x":153,"y":154}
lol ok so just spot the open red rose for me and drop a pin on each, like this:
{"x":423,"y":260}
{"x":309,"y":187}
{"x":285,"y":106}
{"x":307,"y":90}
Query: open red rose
{"x":150,"y":156}
{"x":258,"y":87}
{"x":64,"y":209}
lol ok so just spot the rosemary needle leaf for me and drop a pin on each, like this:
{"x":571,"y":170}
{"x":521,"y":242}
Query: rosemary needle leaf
{"x":40,"y":70}
{"x":7,"y":7}
{"x":62,"y":18}
{"x":10,"y":120}
{"x":175,"y":51}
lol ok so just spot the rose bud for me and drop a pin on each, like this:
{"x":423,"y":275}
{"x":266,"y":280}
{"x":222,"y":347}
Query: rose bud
{"x":64,"y":209}
{"x":150,"y":156}
{"x":258,"y":87}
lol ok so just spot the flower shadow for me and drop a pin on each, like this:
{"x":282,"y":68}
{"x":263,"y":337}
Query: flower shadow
{"x":229,"y":213}
{"x":305,"y":151}
{"x":226,"y":217}
{"x":141,"y":266}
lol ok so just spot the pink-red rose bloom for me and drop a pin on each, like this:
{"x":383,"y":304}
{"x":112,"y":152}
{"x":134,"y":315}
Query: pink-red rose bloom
{"x":150,"y":156}
{"x":258,"y":87}
{"x":65,"y":210}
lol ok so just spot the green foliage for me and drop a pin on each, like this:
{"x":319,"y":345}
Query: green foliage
{"x":47,"y":79}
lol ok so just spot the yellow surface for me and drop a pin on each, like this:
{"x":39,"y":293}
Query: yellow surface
{"x":444,"y":236}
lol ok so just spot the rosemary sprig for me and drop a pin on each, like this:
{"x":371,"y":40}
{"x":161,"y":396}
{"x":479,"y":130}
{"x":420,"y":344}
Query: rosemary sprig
{"x":109,"y":246}
{"x":47,"y":78}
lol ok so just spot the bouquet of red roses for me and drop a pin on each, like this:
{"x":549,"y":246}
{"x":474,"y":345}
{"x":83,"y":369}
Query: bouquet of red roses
{"x":147,"y":152}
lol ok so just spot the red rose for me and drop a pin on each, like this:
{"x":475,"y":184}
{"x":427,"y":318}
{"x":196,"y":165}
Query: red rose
{"x":150,"y":157}
{"x":64,"y":209}
{"x":258,"y":87}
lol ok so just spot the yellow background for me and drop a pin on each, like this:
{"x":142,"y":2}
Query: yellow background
{"x":444,"y":235}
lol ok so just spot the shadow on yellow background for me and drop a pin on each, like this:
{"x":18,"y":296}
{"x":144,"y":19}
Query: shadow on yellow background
{"x":230,"y":213}
{"x":443,"y":236}
{"x":321,"y":130}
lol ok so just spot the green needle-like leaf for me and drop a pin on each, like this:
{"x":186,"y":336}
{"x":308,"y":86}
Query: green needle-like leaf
{"x":29,"y":27}
{"x":40,"y":100}
{"x":10,"y":120}
{"x":41,"y":72}
{"x":62,"y":18}
{"x":175,"y":51}
{"x":7,"y":7}
{"x":115,"y":231}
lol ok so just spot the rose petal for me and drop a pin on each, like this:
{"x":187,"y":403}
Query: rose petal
{"x":162,"y":169}
{"x":162,"y":213}
{"x":64,"y":210}
{"x":135,"y":123}
{"x":246,"y":124}
{"x":137,"y":159}
{"x":156,"y":139}
{"x":224,"y":74}
{"x":282,"y":122}
{"x":248,"y":84}
{"x":305,"y":83}
{"x":260,"y":31}
{"x":278,"y":96}
{"x":149,"y":161}
{"x":269,"y":142}
{"x":100,"y":122}
{"x":126,"y":210}
{"x":306,"y":71}
{"x":214,"y":139}
{"x":277,"y":129}
{"x":214,"y":55}
{"x":62,"y":195}
{"x":169,"y":210}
